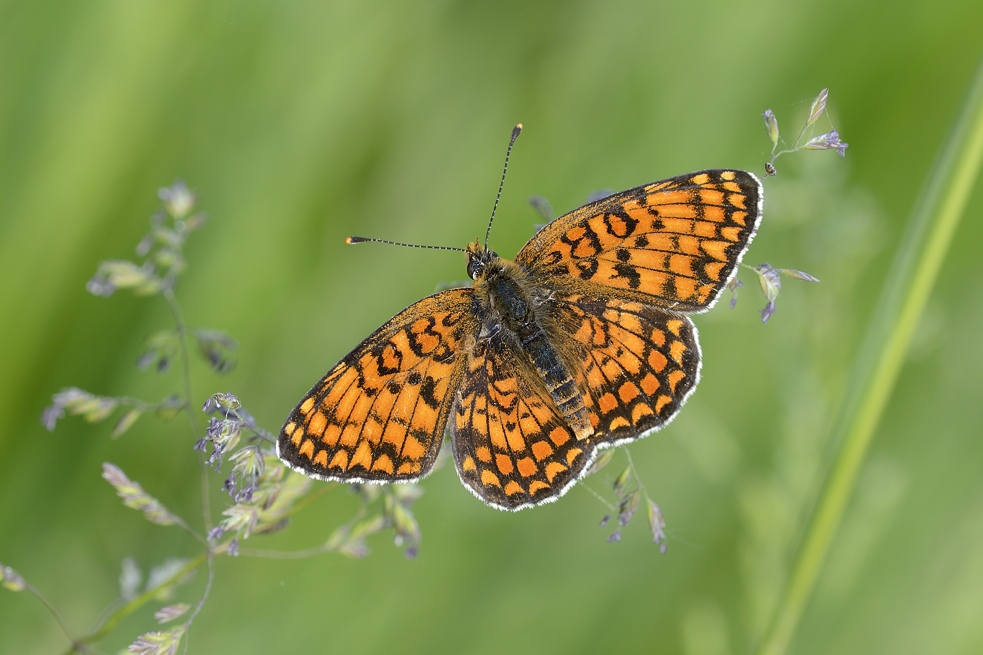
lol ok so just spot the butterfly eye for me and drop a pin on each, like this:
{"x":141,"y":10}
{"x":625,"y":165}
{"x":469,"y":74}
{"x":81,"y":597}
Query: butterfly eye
{"x":475,"y":266}
{"x":477,"y":261}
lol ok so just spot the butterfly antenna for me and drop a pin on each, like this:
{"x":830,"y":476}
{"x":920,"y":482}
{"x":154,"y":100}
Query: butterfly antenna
{"x":515,"y":135}
{"x":351,"y":240}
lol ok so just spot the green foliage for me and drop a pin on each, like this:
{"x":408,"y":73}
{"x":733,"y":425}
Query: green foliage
{"x":305,"y":122}
{"x":264,"y":492}
{"x":135,"y":497}
{"x":827,"y":141}
{"x":932,"y":227}
{"x":11,"y":579}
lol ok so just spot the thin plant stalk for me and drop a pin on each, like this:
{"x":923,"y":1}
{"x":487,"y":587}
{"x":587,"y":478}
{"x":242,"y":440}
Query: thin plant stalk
{"x":135,"y":604}
{"x":920,"y":258}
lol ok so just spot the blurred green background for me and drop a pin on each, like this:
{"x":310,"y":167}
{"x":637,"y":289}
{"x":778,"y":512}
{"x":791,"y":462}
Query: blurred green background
{"x":300,"y":123}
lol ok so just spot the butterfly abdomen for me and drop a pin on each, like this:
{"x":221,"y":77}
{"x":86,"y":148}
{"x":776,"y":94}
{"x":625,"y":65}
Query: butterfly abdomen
{"x":509,"y":295}
{"x":559,"y":382}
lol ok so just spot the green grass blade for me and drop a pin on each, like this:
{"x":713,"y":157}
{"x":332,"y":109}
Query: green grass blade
{"x":926,"y":243}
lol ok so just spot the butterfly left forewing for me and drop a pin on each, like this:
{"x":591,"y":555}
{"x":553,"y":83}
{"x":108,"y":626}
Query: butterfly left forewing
{"x":676,"y":242}
{"x":379,"y":415}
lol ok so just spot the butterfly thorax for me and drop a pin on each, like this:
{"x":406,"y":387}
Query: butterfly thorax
{"x":516,"y":310}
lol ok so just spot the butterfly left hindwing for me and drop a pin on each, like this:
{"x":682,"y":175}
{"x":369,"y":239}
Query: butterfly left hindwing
{"x":511,"y":446}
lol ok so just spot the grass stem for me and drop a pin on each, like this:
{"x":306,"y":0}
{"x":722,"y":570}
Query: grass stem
{"x":915,"y":270}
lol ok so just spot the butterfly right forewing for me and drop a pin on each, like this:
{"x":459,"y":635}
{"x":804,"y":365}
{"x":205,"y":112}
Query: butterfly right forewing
{"x":675,"y":243}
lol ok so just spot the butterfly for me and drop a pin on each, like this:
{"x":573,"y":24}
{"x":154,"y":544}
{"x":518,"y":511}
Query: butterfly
{"x":580,"y":343}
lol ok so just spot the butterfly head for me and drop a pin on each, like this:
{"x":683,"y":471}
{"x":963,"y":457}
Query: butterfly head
{"x":478,"y":259}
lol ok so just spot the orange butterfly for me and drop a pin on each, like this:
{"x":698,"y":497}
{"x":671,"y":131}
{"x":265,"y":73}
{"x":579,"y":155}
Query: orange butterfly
{"x":581,"y":343}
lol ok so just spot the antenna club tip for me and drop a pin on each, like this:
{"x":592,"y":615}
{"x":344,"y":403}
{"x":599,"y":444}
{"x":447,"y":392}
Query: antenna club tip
{"x":351,"y":240}
{"x":515,"y":134}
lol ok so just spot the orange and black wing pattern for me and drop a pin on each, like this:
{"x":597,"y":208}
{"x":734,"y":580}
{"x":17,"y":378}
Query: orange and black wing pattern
{"x":511,"y":446}
{"x":675,"y":243}
{"x":636,"y":363}
{"x":380,"y":414}
{"x":584,"y":345}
